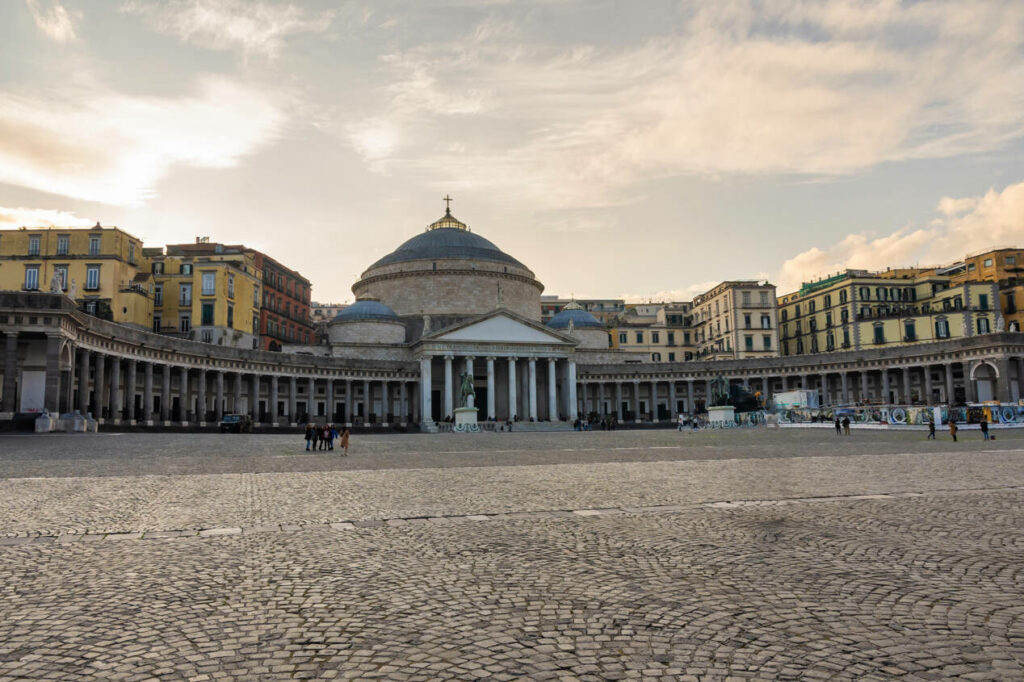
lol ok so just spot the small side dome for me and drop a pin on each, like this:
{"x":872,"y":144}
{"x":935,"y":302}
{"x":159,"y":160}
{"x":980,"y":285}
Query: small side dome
{"x":575,"y":314}
{"x":366,"y":309}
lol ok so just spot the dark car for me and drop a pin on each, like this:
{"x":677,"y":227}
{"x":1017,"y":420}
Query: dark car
{"x":235,"y":423}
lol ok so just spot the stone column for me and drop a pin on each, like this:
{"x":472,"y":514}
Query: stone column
{"x":636,"y":401}
{"x":803,"y":382}
{"x":165,"y":394}
{"x":673,"y":413}
{"x":707,"y":394}
{"x":51,"y":388}
{"x":552,"y":392}
{"x":825,"y":397}
{"x":927,"y":385}
{"x":403,"y":410}
{"x":654,"y":401}
{"x":491,"y":412}
{"x":573,"y":407}
{"x":1003,"y":393}
{"x":115,"y":389}
{"x":99,"y":384}
{"x":274,"y":397}
{"x":532,"y":366}
{"x":1020,"y":377}
{"x":186,"y":397}
{"x":10,"y":394}
{"x":329,"y":411}
{"x":950,"y":387}
{"x":201,"y":397}
{"x":885,"y":385}
{"x":130,"y":384}
{"x":969,"y":392}
{"x":689,"y":397}
{"x":513,"y":412}
{"x":218,"y":409}
{"x":147,"y":392}
{"x":449,"y":398}
{"x":237,"y":407}
{"x":844,"y":378}
{"x":426,"y":408}
{"x":254,"y":408}
{"x":293,"y":390}
{"x":618,"y":400}
{"x":367,"y":400}
{"x":83,"y":381}
{"x":311,"y":403}
{"x":600,"y":399}
{"x":906,"y":385}
{"x":348,"y":397}
{"x":864,"y":386}
{"x":385,"y":400}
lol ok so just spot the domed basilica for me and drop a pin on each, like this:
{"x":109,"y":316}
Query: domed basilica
{"x":457,"y":304}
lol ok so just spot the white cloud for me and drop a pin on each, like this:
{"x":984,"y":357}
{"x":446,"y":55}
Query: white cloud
{"x":967,"y":225}
{"x":110,"y":147}
{"x":54,"y":21}
{"x":784,"y":86}
{"x":40,"y":217}
{"x":672,"y":295}
{"x":249,"y":27}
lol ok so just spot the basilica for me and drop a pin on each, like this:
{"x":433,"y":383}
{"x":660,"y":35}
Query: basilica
{"x":445,"y":315}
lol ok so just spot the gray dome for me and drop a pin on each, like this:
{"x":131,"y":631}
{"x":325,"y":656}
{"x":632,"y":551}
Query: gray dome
{"x":366,"y":310}
{"x":580,"y":319}
{"x":447,"y":242}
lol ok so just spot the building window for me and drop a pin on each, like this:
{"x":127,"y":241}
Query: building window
{"x":231,"y":286}
{"x":1011,"y":304}
{"x":830,"y":342}
{"x":942,"y":328}
{"x":92,"y":278}
{"x":186,"y":268}
{"x":656,"y":357}
{"x":207,"y":311}
{"x":185,"y":294}
{"x":746,"y":321}
{"x":671,"y":338}
{"x":1011,"y":260}
{"x":32,"y":277}
{"x":94,"y":245}
{"x":655,"y":337}
{"x":90,"y":307}
{"x":671,"y":357}
{"x":983,"y":325}
{"x":842,"y":296}
{"x":256,"y":297}
{"x":799,"y":346}
{"x":62,"y":245}
{"x":846,"y":338}
{"x":785,"y":316}
{"x":828,"y":319}
{"x":746,"y":298}
{"x":983,"y":301}
{"x":686,"y":338}
{"x":970,"y":267}
{"x":811,"y":307}
{"x":158,"y":268}
{"x":185,"y":323}
{"x":131,"y":252}
{"x":764,"y":298}
{"x":909,"y":331}
{"x":988,"y":262}
{"x":639,"y":337}
{"x":844,"y":315}
{"x":879,"y":333}
{"x":623,"y":338}
{"x":209,"y":283}
{"x":206,"y":335}
{"x":157,"y":323}
{"x":33,"y":245}
{"x":158,"y":294}
{"x":766,"y":322}
{"x":748,"y":342}
{"x":231,"y":316}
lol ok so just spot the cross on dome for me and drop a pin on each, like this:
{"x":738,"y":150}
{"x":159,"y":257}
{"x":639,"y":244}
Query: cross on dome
{"x":448,"y":220}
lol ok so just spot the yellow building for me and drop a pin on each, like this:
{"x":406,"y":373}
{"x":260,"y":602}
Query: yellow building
{"x":206,"y":292}
{"x":660,"y":330}
{"x":736,"y":320}
{"x":857,"y":309}
{"x":102,"y":268}
{"x":1004,"y":267}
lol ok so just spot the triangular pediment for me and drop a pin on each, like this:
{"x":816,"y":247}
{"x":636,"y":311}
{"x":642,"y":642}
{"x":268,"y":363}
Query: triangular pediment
{"x":500,"y":327}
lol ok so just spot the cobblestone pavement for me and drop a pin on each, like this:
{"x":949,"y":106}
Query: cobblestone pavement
{"x":875,"y":560}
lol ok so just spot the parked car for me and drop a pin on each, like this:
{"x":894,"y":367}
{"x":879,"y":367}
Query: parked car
{"x":235,"y":423}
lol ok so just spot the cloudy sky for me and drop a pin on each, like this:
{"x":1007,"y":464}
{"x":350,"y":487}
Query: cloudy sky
{"x":645,"y":150}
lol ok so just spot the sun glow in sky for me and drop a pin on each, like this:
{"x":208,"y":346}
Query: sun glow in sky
{"x":618,"y":149}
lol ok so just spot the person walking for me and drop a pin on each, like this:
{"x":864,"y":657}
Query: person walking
{"x":931,"y":429}
{"x":332,"y":433}
{"x":309,"y":436}
{"x":315,"y":434}
{"x":984,"y":428}
{"x":952,"y":428}
{"x":325,"y":434}
{"x":839,"y":427}
{"x":343,"y":443}
{"x":846,"y":426}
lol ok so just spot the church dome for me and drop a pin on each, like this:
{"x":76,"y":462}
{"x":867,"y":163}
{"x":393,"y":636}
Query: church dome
{"x":447,"y":238}
{"x":579,"y":318}
{"x":366,"y":309}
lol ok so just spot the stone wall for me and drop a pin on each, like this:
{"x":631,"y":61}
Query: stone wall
{"x":366,"y":331}
{"x":453,"y":292}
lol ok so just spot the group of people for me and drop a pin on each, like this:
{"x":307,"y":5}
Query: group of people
{"x":324,"y":436}
{"x":953,"y":428}
{"x":842,"y":426}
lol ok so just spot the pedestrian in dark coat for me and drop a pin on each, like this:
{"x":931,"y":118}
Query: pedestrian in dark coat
{"x":952,"y":428}
{"x":309,"y":436}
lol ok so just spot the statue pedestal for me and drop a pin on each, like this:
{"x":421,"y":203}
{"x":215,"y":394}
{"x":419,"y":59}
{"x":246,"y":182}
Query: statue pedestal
{"x":465,"y":420}
{"x":722,"y":415}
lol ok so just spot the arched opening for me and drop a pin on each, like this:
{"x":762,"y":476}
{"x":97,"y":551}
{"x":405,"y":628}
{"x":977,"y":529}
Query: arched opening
{"x":985,"y":376}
